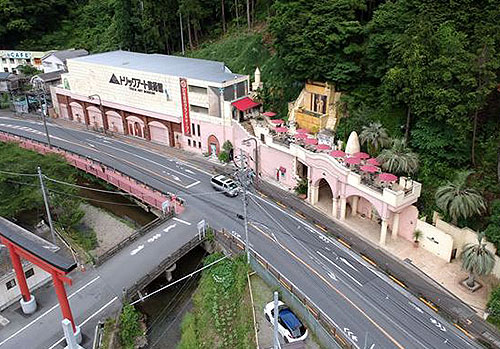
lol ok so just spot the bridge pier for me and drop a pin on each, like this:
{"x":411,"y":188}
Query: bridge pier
{"x":169,"y":271}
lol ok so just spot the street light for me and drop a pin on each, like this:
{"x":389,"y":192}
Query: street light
{"x":104,"y":121}
{"x":247,"y":142}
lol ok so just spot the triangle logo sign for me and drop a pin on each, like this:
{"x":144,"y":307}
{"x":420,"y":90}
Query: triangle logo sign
{"x":114,"y":80}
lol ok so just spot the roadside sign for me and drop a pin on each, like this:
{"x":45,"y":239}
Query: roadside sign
{"x":202,"y":227}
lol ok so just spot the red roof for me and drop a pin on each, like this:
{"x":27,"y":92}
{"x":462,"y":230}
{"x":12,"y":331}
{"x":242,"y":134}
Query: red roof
{"x":245,"y":103}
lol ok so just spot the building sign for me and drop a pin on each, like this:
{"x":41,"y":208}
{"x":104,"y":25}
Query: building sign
{"x":185,"y":107}
{"x":138,"y":85}
{"x":17,"y":54}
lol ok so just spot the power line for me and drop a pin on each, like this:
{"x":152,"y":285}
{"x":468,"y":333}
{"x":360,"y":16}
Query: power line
{"x":84,"y":187}
{"x":22,"y":183}
{"x":177,"y":281}
{"x":19,"y":174}
{"x":89,"y":199}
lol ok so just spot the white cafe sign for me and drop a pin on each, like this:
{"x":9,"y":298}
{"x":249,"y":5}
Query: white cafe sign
{"x":16,"y":54}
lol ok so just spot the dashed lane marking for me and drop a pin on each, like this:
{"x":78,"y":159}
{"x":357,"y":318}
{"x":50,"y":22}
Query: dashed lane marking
{"x":181,"y":221}
{"x":369,"y":260}
{"x":320,"y":227}
{"x":429,"y":304}
{"x":343,"y":243}
{"x":192,"y":184}
{"x":464,"y":331}
{"x":167,"y":229}
{"x":400,"y":283}
{"x":280,"y":204}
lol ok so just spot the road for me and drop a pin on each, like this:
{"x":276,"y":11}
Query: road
{"x":364,"y":303}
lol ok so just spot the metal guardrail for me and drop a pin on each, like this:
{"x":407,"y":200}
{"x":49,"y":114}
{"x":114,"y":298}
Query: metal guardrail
{"x":166,"y":263}
{"x":237,"y":246}
{"x":135,"y":235}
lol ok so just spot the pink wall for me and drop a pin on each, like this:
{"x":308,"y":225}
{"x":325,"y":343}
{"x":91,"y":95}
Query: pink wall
{"x":115,"y":122}
{"x":408,"y":222}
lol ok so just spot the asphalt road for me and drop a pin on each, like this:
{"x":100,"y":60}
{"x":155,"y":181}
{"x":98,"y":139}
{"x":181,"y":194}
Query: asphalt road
{"x":364,"y":303}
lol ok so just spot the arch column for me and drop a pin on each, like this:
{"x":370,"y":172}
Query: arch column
{"x":124,"y":122}
{"x":395,"y":226}
{"x":334,"y":207}
{"x":343,"y":207}
{"x":313,"y":194}
{"x":383,"y":232}
{"x":355,"y":200}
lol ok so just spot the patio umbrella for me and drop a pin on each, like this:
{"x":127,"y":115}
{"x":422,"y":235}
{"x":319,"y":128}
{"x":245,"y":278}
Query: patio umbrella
{"x":369,"y":168}
{"x":277,"y":121}
{"x":300,"y":136}
{"x":387,"y":177}
{"x":281,"y":129}
{"x":323,"y":147}
{"x":361,"y":155}
{"x":269,"y":113}
{"x":312,"y":141}
{"x":337,"y":153}
{"x":302,"y":130}
{"x":353,"y":161}
{"x":373,"y":162}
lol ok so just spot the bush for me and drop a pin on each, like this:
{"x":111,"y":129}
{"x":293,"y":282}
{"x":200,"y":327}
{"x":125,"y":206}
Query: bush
{"x":130,"y":327}
{"x":494,"y":307}
{"x":224,"y":156}
{"x":301,"y":187}
{"x":227,"y":146}
{"x":492,"y":231}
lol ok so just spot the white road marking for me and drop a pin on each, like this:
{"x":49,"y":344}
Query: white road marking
{"x":48,"y":311}
{"x":171,"y":226}
{"x":192,"y":184}
{"x":181,"y":221}
{"x":87,"y":320}
{"x":342,"y":270}
{"x":176,"y":178}
{"x":154,"y":237}
{"x":349,"y":264}
{"x":136,"y":250}
{"x":188,"y":171}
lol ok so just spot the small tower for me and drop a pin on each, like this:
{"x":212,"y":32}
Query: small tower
{"x":257,"y":84}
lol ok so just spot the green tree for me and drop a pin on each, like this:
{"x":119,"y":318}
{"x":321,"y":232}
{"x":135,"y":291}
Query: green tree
{"x":492,"y":231}
{"x":399,"y":159}
{"x":458,"y":200}
{"x":477,"y":260}
{"x":374,"y":136}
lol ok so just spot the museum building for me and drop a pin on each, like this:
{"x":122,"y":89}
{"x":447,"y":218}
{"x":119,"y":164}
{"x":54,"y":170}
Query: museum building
{"x":171,"y":100}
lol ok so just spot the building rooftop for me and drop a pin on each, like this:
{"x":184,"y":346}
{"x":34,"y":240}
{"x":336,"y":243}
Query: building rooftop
{"x":48,"y":77}
{"x":193,"y":68}
{"x":67,"y":54}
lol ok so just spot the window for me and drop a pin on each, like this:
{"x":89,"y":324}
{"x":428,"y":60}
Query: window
{"x":196,"y":109}
{"x":10,"y":284}
{"x":263,"y":138}
{"x":29,"y":273}
{"x":199,"y":130}
{"x":11,"y":60}
{"x":4,"y":60}
{"x":6,"y":70}
{"x":197,"y":89}
{"x":194,"y":130}
{"x":189,"y":142}
{"x":199,"y":145}
{"x":38,"y":61}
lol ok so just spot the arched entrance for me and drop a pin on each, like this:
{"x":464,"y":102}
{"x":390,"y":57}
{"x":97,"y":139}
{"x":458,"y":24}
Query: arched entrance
{"x":115,"y":123}
{"x":77,"y":111}
{"x":95,"y":117}
{"x":325,"y":196}
{"x":159,"y":133}
{"x":213,"y":145}
{"x":135,"y":126}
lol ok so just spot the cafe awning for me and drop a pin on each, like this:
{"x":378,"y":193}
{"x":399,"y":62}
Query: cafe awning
{"x":245,"y":103}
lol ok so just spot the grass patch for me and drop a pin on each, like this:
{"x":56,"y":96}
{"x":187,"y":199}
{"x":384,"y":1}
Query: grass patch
{"x":109,"y":327}
{"x":222,"y":312}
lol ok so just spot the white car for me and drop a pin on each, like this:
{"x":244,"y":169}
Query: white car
{"x":289,"y":325}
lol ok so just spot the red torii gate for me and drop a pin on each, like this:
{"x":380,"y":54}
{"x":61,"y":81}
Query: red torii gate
{"x":21,"y":243}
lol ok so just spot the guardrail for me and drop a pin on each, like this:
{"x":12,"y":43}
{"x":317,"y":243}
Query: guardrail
{"x":135,"y":235}
{"x":235,"y":245}
{"x":166,"y":263}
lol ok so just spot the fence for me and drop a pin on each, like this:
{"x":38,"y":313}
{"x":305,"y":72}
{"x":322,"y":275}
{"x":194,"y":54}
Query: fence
{"x":137,"y":234}
{"x":166,"y":263}
{"x":327,"y":331}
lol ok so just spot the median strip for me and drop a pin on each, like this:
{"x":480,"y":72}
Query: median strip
{"x":398,"y":282}
{"x":371,"y":261}
{"x":463,"y":330}
{"x":343,"y":243}
{"x":321,"y":227}
{"x":429,"y":304}
{"x":300,"y":215}
{"x":280,"y":204}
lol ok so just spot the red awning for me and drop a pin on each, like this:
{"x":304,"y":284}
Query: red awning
{"x":245,"y":103}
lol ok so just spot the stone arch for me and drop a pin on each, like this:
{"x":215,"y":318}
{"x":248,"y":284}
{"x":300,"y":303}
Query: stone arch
{"x":325,"y":195}
{"x":213,"y":144}
{"x":135,"y":126}
{"x":115,"y":122}
{"x":159,"y":132}
{"x":77,"y":111}
{"x":95,"y":117}
{"x":364,"y":206}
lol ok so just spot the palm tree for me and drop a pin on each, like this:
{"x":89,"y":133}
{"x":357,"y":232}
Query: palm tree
{"x":458,"y":200}
{"x":399,"y":159}
{"x":477,"y":260}
{"x":375,"y":136}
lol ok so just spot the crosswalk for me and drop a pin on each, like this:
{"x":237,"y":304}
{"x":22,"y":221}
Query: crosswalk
{"x":27,"y":129}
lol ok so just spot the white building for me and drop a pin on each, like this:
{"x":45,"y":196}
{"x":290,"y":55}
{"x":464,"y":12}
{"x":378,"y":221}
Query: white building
{"x":56,"y":60}
{"x":10,"y":60}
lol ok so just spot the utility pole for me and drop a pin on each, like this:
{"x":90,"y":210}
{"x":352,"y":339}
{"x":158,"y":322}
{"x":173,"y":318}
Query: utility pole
{"x":275,"y":337}
{"x":182,"y":32}
{"x":244,"y":183}
{"x":44,"y":117}
{"x":47,"y":208}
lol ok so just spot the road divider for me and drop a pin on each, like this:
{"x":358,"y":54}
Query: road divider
{"x":279,"y":203}
{"x":369,"y":260}
{"x":346,"y":244}
{"x":429,"y":304}
{"x":464,"y":331}
{"x":400,"y":283}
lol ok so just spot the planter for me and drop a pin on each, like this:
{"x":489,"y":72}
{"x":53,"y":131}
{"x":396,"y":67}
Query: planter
{"x":302,"y":196}
{"x":415,"y":244}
